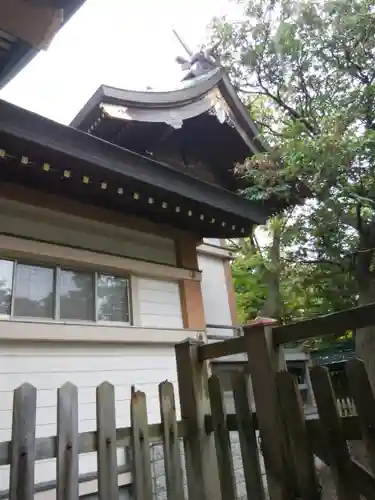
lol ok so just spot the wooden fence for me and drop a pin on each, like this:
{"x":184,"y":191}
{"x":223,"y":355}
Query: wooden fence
{"x":288,"y":441}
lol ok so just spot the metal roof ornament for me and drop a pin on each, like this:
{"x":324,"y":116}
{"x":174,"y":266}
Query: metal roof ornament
{"x":199,"y":63}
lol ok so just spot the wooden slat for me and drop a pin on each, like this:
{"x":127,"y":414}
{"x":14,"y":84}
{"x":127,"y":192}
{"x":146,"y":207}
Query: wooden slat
{"x":341,"y":466}
{"x":247,"y":436}
{"x":67,"y":443}
{"x":364,"y":401}
{"x":107,"y":459}
{"x":142,"y":479}
{"x":172,"y":452}
{"x":21,"y":485}
{"x":215,"y":350}
{"x":261,"y":366}
{"x":363,"y":479}
{"x":355,"y":318}
{"x":297,"y":433}
{"x":200,"y":458}
{"x":222,"y":440}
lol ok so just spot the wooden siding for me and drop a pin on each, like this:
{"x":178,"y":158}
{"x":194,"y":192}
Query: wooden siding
{"x":159,"y":303}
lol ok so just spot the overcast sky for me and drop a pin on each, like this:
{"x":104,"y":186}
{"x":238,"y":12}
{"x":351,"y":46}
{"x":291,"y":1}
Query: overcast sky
{"x":123,"y":43}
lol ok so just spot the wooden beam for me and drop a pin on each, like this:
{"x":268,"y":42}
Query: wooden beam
{"x":190,"y":292}
{"x":228,"y":347}
{"x":355,"y":318}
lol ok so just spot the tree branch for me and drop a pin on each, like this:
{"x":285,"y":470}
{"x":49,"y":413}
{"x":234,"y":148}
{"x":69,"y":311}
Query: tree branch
{"x":292,"y":112}
{"x":317,"y":262}
{"x":269,"y":128}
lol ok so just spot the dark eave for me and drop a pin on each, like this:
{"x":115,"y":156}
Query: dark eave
{"x":15,"y":53}
{"x":204,"y":208}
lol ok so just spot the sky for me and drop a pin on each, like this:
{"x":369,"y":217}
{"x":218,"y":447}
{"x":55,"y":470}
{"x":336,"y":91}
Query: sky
{"x":123,"y":43}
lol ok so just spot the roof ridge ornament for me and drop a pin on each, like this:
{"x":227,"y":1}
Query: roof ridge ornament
{"x":198,"y":63}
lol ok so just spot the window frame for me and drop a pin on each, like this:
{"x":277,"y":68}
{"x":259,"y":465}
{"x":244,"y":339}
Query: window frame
{"x":31,"y":318}
{"x":56,"y":295}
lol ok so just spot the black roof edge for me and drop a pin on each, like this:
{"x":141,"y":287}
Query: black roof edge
{"x":90,"y":105}
{"x":31,"y":127}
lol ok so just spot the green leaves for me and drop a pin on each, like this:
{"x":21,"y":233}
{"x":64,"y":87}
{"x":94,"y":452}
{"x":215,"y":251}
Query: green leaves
{"x":307,"y":74}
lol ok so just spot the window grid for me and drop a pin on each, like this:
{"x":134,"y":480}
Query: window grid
{"x":96,"y":308}
{"x":12,"y":295}
{"x":57,"y":294}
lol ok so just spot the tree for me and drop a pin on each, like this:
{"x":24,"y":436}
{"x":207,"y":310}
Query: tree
{"x":308,"y":68}
{"x":298,"y":289}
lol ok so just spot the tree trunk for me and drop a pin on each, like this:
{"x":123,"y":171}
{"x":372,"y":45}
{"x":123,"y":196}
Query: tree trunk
{"x":273,"y":304}
{"x":365,"y":338}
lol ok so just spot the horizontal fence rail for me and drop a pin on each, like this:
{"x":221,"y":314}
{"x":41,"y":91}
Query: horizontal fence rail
{"x":46,"y":447}
{"x":350,"y":319}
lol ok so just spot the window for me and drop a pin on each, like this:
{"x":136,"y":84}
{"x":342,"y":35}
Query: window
{"x":76,"y":295}
{"x":32,"y":291}
{"x":112,"y":298}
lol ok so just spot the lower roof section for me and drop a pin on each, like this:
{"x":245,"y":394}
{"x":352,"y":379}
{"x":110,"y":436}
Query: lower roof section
{"x":39,"y":153}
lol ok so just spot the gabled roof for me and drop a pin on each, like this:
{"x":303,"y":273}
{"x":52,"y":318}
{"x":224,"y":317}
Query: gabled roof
{"x":194,"y":97}
{"x":16,"y":53}
{"x":203,"y":116}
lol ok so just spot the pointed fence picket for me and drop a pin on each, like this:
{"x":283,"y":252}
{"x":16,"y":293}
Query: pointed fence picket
{"x":325,"y":437}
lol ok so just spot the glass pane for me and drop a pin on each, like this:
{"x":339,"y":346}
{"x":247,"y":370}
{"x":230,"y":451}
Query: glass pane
{"x":76,"y":295}
{"x":6,"y":284}
{"x":33,"y":292}
{"x":112,"y":298}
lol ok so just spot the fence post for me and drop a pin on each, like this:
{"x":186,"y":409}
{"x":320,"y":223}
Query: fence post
{"x":200,"y":456}
{"x":263,"y":362}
